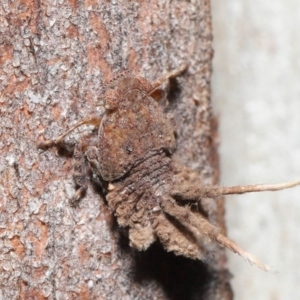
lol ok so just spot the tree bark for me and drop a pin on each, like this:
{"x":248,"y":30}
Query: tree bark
{"x":54,"y":58}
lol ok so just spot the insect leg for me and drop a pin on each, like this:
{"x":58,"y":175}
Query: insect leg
{"x":90,"y":120}
{"x":92,"y":155}
{"x":215,"y":191}
{"x":200,"y":226}
{"x":80,"y":166}
{"x":171,"y":74}
{"x":190,"y":192}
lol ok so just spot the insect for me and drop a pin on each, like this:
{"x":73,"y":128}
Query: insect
{"x":146,"y":190}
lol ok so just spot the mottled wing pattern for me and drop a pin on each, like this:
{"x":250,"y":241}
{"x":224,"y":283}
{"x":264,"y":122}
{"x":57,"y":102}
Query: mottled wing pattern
{"x":131,"y":132}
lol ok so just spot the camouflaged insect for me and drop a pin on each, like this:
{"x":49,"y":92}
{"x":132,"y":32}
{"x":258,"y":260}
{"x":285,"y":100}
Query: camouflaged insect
{"x":147,"y":191}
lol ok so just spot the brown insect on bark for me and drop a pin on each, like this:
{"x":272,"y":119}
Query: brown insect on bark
{"x":148,"y":192}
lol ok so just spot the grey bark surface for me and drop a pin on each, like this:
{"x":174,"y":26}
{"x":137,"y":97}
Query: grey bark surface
{"x":54,"y":58}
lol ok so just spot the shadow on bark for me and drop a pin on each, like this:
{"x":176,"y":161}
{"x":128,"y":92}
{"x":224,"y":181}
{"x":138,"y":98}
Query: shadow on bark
{"x":180,"y":277}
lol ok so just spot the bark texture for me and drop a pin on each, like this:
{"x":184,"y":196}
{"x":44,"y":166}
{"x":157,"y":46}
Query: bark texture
{"x":54,"y":58}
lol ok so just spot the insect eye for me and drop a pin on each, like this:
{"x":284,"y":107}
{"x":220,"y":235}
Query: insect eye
{"x":111,"y":99}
